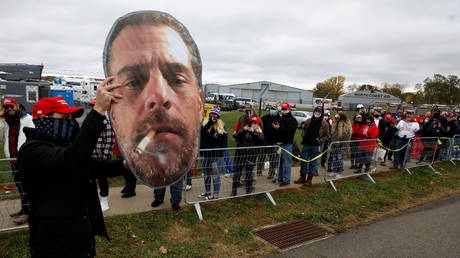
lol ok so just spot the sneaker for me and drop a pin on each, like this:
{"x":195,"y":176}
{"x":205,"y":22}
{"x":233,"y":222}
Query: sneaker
{"x":175,"y":207}
{"x":104,"y":203}
{"x":283,"y":184}
{"x":210,"y":197}
{"x":204,"y":195}
{"x":228,"y":175}
{"x":338,"y":176}
{"x":330,"y":174}
{"x":156,"y":203}
{"x":127,"y":195}
{"x":188,"y":187}
{"x":21,"y":220}
{"x":17,"y":214}
{"x":274,"y":181}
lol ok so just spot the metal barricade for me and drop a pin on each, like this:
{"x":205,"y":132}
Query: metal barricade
{"x":348,"y":159}
{"x":421,"y":151}
{"x":455,"y":149}
{"x":226,"y":173}
{"x":10,"y":195}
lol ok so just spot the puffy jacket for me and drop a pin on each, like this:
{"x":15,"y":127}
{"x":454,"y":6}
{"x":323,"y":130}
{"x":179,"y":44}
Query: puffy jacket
{"x":369,"y":132}
{"x":65,"y":213}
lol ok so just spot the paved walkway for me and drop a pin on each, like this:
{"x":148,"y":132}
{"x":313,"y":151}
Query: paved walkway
{"x":432,"y":230}
{"x":141,"y":202}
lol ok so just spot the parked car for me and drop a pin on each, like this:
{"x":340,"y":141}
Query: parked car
{"x":301,"y":116}
{"x":241,"y":102}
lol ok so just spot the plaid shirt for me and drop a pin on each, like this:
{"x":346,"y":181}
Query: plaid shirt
{"x":104,"y":146}
{"x":13,"y":133}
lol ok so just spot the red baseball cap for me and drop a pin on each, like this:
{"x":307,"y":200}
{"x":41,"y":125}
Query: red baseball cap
{"x":9,"y":101}
{"x":49,"y":105}
{"x":285,"y":105}
{"x":254,"y":120}
{"x":93,"y":102}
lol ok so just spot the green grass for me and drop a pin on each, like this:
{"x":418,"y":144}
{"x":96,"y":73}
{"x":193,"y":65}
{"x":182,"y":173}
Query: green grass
{"x":226,"y":229}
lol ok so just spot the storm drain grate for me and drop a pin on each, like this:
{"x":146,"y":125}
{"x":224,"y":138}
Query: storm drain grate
{"x":292,"y":234}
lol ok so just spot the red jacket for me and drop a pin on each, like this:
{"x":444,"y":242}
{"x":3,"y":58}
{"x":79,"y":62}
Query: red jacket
{"x":369,"y":132}
{"x":357,"y":133}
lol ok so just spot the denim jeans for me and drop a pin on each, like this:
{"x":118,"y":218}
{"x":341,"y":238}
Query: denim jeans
{"x":456,"y":148}
{"x":175,"y":189}
{"x":284,"y":172}
{"x":209,"y":174}
{"x":336,"y":160}
{"x":189,"y":177}
{"x":308,"y":153}
{"x":400,"y":156}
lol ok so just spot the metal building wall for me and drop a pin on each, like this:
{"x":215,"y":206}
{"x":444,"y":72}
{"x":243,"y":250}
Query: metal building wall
{"x":350,"y":100}
{"x":276,"y":92}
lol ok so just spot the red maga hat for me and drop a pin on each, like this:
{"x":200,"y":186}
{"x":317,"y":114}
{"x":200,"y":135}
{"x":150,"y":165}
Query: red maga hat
{"x":9,"y":101}
{"x":49,"y":105}
{"x":285,"y":105}
{"x":93,"y":102}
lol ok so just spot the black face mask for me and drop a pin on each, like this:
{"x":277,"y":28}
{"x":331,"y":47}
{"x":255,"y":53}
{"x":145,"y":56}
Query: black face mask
{"x":58,"y":129}
{"x":248,"y":114}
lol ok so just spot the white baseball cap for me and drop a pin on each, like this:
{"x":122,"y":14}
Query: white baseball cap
{"x":360,"y":106}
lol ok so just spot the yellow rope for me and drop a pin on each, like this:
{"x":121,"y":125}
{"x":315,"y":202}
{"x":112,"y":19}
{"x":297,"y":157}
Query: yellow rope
{"x":280,"y":149}
{"x":388,"y":149}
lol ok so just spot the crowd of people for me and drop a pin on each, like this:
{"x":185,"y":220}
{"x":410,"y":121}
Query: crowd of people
{"x":430,"y":135}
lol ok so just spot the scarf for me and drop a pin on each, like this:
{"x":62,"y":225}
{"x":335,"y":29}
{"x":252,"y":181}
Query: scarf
{"x":57,"y":129}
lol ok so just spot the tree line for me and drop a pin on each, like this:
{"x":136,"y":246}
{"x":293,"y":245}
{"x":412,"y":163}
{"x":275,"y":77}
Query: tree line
{"x":437,"y":90}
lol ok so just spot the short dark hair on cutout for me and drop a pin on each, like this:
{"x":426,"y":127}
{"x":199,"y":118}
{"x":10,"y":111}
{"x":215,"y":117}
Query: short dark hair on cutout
{"x":153,"y":18}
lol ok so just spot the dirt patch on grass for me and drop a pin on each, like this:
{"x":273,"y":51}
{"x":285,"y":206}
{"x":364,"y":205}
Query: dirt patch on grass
{"x":179,"y":233}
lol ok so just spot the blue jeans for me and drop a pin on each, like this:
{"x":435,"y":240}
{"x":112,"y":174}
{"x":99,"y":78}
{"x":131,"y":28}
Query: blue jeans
{"x":284,"y":172}
{"x":228,"y":161}
{"x":456,"y":148}
{"x":206,"y":163}
{"x":336,"y":160}
{"x":176,"y":192}
{"x":308,"y":153}
{"x":444,"y":151}
{"x":400,"y":156}
{"x":189,"y":177}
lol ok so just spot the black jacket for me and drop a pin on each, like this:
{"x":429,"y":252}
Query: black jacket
{"x":65,"y":211}
{"x":286,"y":132}
{"x":211,"y":139}
{"x":269,"y":131}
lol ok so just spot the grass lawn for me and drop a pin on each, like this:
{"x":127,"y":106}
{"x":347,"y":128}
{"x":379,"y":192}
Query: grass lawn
{"x":226,"y":229}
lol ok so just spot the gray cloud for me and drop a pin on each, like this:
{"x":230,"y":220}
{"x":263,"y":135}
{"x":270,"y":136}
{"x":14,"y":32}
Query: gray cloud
{"x":298,"y":43}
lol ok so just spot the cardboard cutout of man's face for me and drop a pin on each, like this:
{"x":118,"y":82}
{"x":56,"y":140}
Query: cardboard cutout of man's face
{"x":157,"y":122}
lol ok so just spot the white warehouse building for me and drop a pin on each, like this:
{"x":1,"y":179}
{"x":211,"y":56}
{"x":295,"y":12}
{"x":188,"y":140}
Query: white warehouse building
{"x":275,"y":93}
{"x":350,"y":100}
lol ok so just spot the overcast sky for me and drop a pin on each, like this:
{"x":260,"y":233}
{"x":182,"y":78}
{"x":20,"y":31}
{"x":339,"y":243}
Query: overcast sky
{"x":297,"y":43}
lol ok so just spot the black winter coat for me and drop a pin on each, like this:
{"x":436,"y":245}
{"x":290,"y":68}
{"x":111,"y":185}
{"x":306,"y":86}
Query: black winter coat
{"x":286,"y":132}
{"x":269,"y":131}
{"x":65,"y":213}
{"x":211,"y":139}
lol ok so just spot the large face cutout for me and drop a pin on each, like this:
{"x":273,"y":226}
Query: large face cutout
{"x":157,"y":121}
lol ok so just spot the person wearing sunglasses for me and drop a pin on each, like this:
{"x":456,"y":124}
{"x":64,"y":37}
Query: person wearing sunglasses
{"x":12,"y":121}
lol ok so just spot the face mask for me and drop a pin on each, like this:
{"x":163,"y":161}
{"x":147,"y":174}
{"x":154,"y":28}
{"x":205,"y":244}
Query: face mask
{"x":273,"y":112}
{"x":58,"y":129}
{"x":316,"y":114}
{"x":248,"y":114}
{"x":337,"y":117}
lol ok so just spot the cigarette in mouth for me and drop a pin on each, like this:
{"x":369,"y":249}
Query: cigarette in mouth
{"x":146,"y":140}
